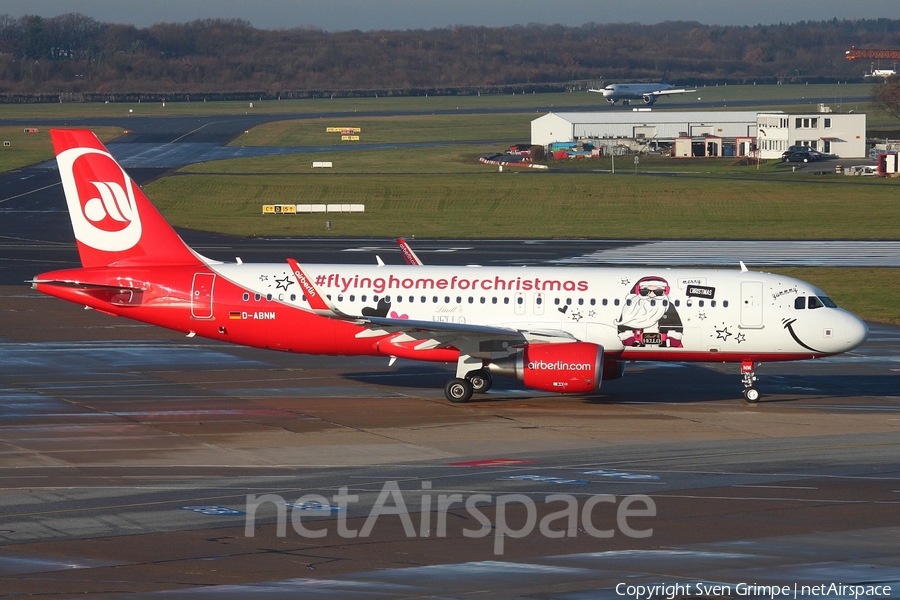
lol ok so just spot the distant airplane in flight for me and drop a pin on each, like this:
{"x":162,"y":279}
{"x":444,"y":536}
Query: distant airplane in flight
{"x":648,"y":92}
{"x":557,"y":329}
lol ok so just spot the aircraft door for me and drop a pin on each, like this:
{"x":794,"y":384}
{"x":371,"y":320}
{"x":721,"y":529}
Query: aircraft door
{"x":752,"y":304}
{"x":538,"y":305}
{"x":202,"y":295}
{"x":520,"y":303}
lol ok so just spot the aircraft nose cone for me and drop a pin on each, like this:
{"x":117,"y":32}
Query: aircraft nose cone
{"x":856,"y":331}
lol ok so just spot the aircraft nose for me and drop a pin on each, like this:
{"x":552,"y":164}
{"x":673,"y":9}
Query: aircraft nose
{"x":855,"y":331}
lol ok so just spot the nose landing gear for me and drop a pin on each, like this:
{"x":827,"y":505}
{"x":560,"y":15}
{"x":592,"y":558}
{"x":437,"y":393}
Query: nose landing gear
{"x":748,"y":370}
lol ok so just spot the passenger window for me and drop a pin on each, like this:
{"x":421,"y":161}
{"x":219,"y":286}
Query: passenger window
{"x":700,"y":303}
{"x":387,"y":299}
{"x":677,"y":303}
{"x":519,"y":300}
{"x":556,"y":301}
{"x":616,"y":301}
{"x":482,"y":300}
{"x":340,"y":298}
{"x":712,"y":303}
{"x":627,"y":303}
{"x":494,"y":300}
{"x":652,"y":302}
{"x":246,"y":296}
{"x":446,"y":299}
{"x":413,"y":299}
{"x":257,"y":297}
{"x":471,"y":300}
{"x":399,"y":299}
{"x":814,"y":302}
{"x":294,"y":297}
{"x":352,"y":298}
{"x":724,"y":303}
{"x":568,"y":301}
{"x":800,"y":303}
{"x":459,"y":299}
{"x":363,"y":298}
{"x":540,"y":300}
{"x":424,"y":299}
{"x":593,"y":302}
{"x":605,"y":302}
{"x":506,"y":300}
{"x":269,"y":297}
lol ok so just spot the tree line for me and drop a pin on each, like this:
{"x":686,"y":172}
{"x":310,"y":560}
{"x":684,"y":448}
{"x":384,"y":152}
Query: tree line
{"x":80,"y":57}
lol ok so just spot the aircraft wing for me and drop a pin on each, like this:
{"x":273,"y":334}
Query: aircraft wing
{"x":667,"y":92}
{"x":478,"y":341}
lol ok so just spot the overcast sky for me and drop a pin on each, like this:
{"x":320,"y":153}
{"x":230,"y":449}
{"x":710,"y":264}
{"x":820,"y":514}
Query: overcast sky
{"x":338,"y":15}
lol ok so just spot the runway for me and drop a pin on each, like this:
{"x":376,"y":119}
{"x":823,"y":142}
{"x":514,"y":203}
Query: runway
{"x":130,"y":457}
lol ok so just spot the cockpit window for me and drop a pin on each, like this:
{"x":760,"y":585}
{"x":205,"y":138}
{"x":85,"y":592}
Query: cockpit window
{"x":800,"y":303}
{"x":814,"y":302}
{"x":827,"y":301}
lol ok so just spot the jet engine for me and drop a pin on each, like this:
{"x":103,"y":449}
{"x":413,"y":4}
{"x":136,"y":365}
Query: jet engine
{"x":569,"y":368}
{"x":649,"y":99}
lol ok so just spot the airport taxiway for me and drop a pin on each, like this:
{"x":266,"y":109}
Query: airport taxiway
{"x":127,"y":454}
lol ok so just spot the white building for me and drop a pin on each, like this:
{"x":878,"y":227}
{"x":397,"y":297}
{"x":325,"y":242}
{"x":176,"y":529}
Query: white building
{"x":830,"y":133}
{"x":641,"y":124}
{"x":773,"y":131}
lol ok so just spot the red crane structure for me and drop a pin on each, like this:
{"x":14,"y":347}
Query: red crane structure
{"x":872,"y":53}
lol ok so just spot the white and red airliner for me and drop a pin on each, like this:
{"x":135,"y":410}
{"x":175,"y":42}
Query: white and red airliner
{"x":557,"y":329}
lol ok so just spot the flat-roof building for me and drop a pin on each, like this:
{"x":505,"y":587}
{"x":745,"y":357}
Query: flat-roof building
{"x":740,"y":133}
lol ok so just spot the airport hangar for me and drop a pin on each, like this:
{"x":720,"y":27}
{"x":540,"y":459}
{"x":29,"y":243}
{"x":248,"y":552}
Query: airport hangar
{"x":708,"y":133}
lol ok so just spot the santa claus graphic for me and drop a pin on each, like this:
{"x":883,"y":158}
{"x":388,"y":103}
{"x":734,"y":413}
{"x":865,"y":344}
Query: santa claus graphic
{"x":648,"y":317}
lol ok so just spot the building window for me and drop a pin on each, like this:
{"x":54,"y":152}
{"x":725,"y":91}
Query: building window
{"x":827,"y":123}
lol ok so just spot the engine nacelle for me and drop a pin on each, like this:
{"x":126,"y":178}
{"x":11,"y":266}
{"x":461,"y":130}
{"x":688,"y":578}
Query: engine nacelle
{"x":570,"y":368}
{"x":649,"y":99}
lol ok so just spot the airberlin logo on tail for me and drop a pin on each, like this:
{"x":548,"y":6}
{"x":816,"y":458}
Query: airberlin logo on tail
{"x":101,"y":200}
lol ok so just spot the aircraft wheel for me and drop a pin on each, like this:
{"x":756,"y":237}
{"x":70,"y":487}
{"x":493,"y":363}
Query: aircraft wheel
{"x":480,"y":380}
{"x":751,"y":395}
{"x":458,"y":390}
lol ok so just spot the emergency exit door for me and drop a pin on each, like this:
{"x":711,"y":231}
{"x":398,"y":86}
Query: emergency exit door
{"x":202,"y":295}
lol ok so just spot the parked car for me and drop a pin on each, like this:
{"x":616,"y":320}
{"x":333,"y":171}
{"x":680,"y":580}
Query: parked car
{"x":804,"y":155}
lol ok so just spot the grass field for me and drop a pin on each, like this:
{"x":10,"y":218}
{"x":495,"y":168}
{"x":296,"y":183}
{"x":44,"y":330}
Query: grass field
{"x":442,"y":191}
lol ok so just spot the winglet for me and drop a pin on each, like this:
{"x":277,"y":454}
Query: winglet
{"x":408,"y":255}
{"x":743,"y":267}
{"x":317,"y":300}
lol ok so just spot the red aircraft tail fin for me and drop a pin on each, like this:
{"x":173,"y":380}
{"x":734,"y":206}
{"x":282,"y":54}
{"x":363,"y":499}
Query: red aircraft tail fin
{"x":114,"y":222}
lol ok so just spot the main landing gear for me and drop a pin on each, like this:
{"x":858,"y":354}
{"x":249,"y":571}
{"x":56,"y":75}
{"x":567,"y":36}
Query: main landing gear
{"x":748,"y":370}
{"x":460,"y":389}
